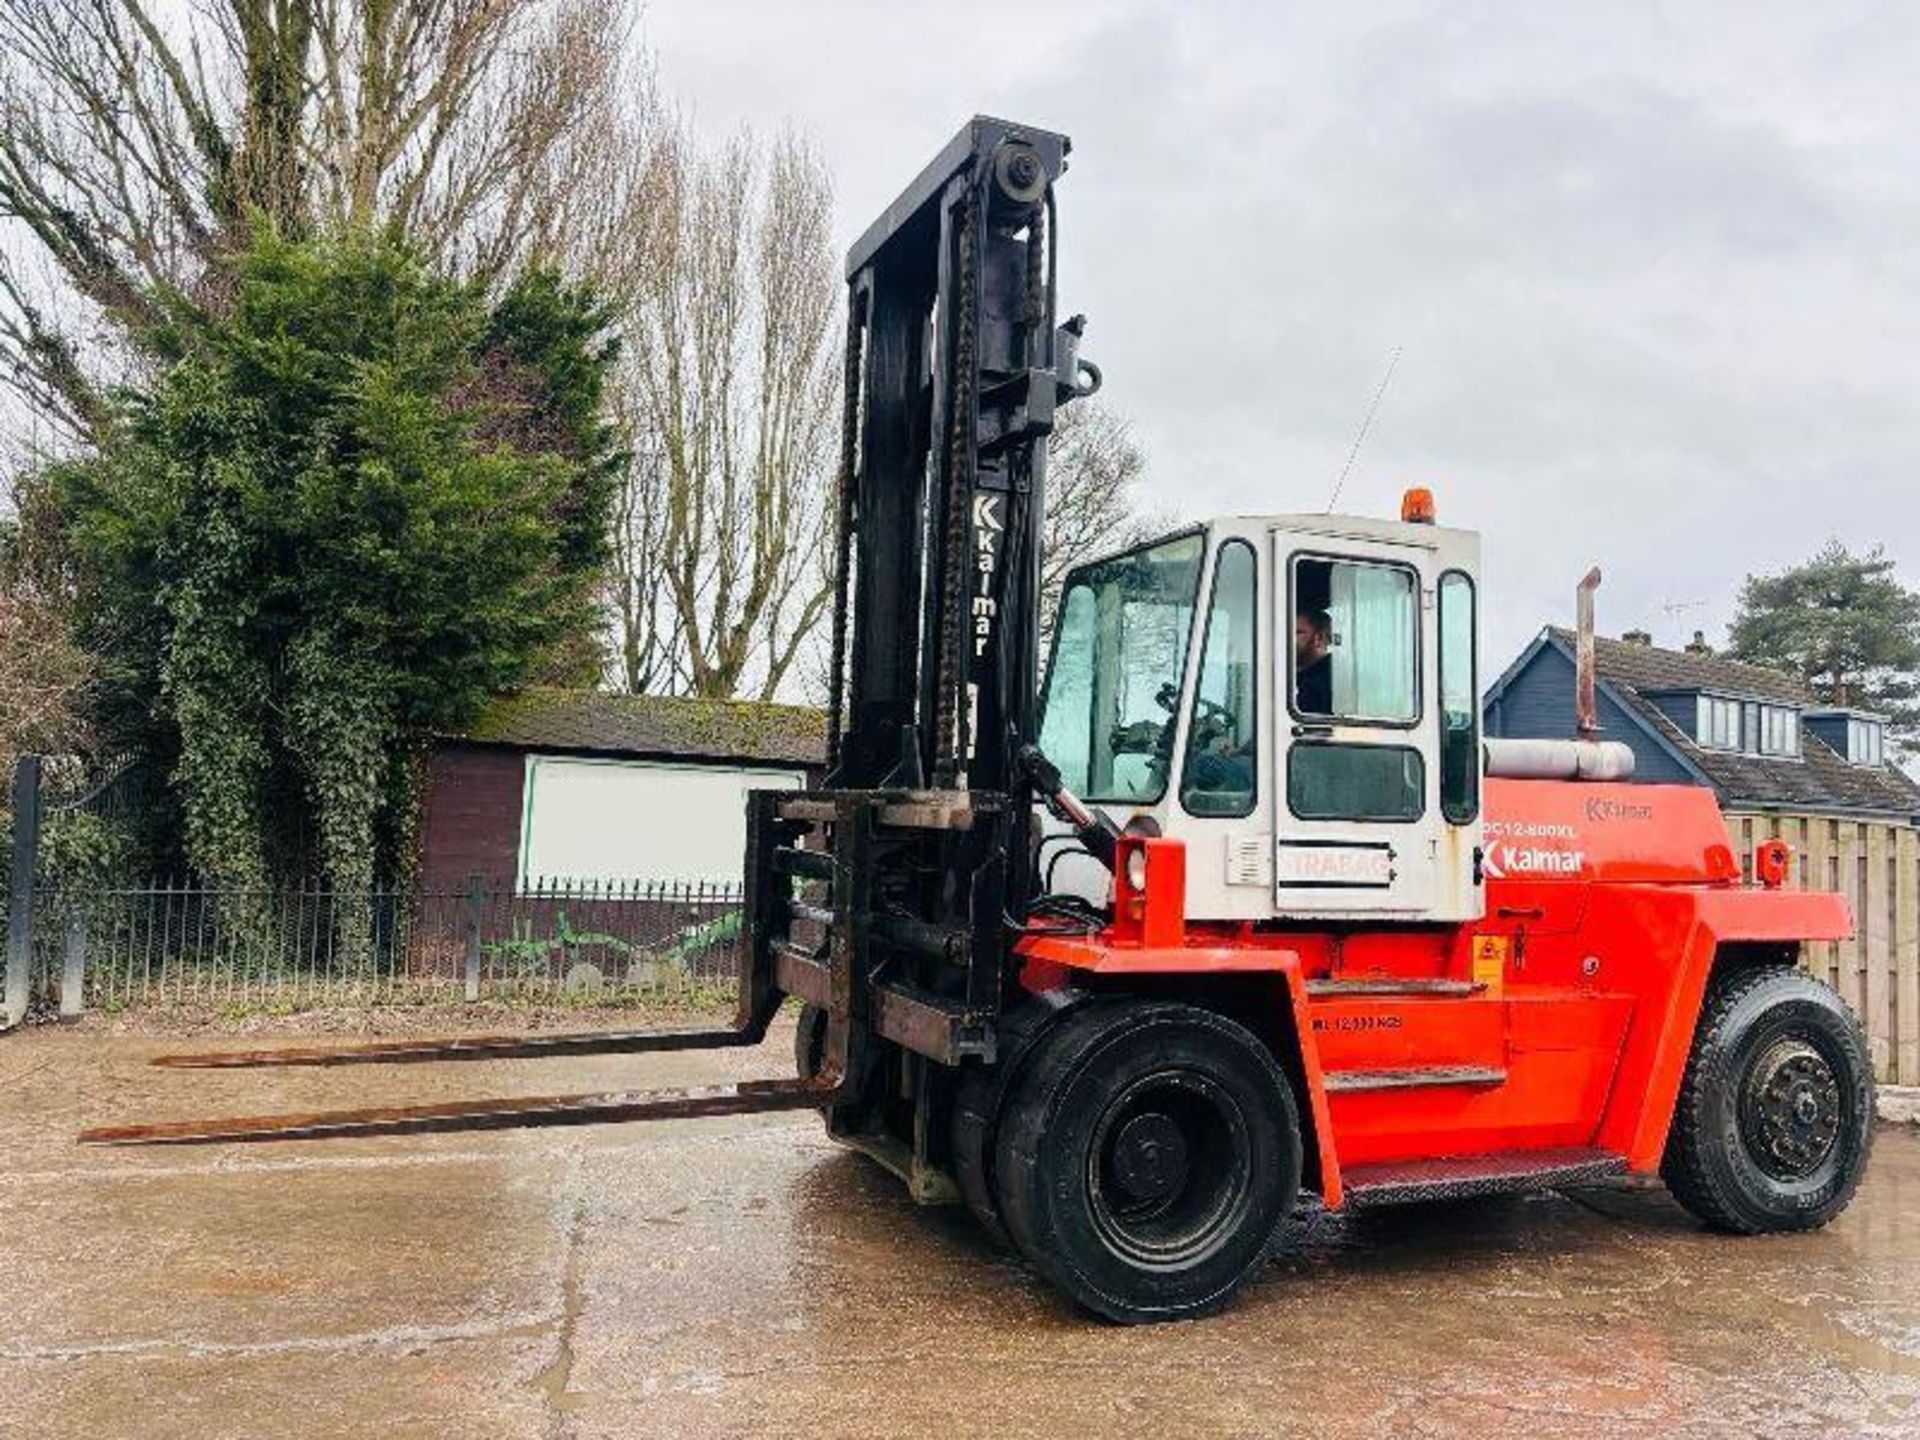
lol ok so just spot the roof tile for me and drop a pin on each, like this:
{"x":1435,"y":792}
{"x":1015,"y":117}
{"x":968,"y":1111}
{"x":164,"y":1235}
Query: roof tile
{"x":1819,"y":779}
{"x":1649,"y":669}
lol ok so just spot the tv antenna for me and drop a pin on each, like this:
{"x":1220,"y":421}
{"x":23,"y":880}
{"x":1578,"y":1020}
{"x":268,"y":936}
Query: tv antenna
{"x":1373,"y":409}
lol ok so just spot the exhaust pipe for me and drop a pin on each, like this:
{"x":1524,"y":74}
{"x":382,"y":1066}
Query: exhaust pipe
{"x":1586,"y":710}
{"x":1587,"y":757}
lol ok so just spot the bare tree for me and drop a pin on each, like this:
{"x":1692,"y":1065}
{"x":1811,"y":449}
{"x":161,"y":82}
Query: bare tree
{"x":646,"y":643}
{"x":731,"y":304}
{"x":614,"y":224}
{"x":1094,"y":466}
{"x":139,"y":139}
{"x":43,"y":674}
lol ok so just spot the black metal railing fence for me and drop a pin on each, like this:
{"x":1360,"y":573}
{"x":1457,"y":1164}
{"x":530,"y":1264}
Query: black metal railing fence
{"x":181,"y":945}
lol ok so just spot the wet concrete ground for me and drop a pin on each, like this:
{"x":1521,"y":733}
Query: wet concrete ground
{"x":724,"y":1277}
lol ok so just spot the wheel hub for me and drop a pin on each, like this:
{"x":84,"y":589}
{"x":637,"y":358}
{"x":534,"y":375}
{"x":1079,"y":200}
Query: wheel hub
{"x":1790,"y":1110}
{"x":1167,"y":1173}
{"x":1150,"y":1157}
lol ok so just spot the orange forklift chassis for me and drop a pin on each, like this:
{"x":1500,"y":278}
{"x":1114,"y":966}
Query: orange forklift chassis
{"x":1552,"y":1034}
{"x":1541,"y":1045}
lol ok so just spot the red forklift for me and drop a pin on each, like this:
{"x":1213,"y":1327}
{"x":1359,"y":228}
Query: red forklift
{"x":1237,"y":905}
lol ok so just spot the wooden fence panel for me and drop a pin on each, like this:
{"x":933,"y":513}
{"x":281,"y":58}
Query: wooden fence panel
{"x":1876,"y":866}
{"x":1906,"y":957}
{"x":1823,"y":959}
{"x":1851,"y":990}
{"x":1874,"y":918}
{"x":1798,"y":832}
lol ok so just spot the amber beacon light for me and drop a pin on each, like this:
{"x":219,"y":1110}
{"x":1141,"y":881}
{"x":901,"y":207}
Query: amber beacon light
{"x":1416,"y":506}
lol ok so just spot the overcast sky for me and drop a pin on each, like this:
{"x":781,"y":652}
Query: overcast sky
{"x":1655,"y":270}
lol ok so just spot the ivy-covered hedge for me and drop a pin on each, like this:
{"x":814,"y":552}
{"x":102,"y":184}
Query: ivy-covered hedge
{"x":359,"y":501}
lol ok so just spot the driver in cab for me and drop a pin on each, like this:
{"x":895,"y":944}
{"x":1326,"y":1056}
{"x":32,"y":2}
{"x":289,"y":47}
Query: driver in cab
{"x":1313,"y":663}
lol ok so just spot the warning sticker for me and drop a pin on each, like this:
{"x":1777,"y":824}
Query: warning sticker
{"x":1490,"y":961}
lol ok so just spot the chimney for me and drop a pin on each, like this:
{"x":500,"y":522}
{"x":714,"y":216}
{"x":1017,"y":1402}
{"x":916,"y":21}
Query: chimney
{"x":1637,"y":637}
{"x":1698,"y":645}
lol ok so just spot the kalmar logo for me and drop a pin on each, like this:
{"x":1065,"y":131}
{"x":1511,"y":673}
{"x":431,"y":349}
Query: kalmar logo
{"x":1503,"y":860}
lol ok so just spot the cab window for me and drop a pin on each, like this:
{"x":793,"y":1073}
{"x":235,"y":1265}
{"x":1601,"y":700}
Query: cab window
{"x":1218,"y":773}
{"x":1459,"y":708}
{"x":1119,"y":654}
{"x":1328,"y":781}
{"x":1355,"y":647}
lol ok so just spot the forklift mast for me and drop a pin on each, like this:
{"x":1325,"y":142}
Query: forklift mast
{"x":886,"y":900}
{"x":953,"y":373}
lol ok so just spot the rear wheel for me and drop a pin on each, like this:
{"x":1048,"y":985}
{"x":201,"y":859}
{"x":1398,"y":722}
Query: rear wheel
{"x":1775,"y":1117}
{"x":1146,"y":1157}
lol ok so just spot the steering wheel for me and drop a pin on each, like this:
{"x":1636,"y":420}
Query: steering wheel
{"x":1211,"y":722}
{"x":1142,"y":737}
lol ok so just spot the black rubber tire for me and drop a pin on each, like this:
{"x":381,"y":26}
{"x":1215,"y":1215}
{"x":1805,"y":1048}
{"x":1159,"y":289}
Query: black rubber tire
{"x":1715,"y":1162}
{"x":1208,"y":1078}
{"x":809,"y":1041}
{"x":982,"y":1096}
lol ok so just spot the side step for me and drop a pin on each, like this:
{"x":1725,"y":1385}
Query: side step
{"x":1419,"y":1077}
{"x":1458,"y":1177}
{"x":1363,"y":985}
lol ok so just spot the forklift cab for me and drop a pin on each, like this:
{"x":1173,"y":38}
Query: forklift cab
{"x":1295,"y":697}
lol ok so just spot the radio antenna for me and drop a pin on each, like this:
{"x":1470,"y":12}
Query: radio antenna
{"x":1393,"y":362}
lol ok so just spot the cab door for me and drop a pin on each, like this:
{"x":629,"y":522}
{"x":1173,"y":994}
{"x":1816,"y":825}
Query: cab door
{"x":1358,"y":828}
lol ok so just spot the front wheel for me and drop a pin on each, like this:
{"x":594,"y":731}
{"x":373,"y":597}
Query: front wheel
{"x":1146,"y":1158}
{"x":1775,"y":1117}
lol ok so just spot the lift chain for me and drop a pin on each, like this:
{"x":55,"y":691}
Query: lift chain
{"x":1020,"y":516}
{"x":1037,"y":278}
{"x":961,"y":426}
{"x":843,"y":535}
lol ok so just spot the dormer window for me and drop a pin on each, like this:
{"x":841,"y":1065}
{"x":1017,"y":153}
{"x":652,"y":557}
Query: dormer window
{"x":1858,"y":736}
{"x":1866,"y":741}
{"x":1719,"y":723}
{"x":1747,"y":726}
{"x":1779,"y":730}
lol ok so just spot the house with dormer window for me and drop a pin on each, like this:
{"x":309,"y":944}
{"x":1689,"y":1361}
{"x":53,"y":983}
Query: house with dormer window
{"x":1758,"y":737}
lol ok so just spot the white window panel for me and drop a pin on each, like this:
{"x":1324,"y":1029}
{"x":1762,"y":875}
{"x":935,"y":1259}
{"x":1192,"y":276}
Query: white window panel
{"x":1719,"y":722}
{"x":1866,"y":743}
{"x":1779,"y":730}
{"x":612,"y":821}
{"x":1375,"y":628}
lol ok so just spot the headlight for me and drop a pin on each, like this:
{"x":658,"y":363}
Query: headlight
{"x":1137,"y":867}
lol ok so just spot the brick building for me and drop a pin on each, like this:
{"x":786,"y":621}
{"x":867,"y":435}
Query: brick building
{"x":562,"y":789}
